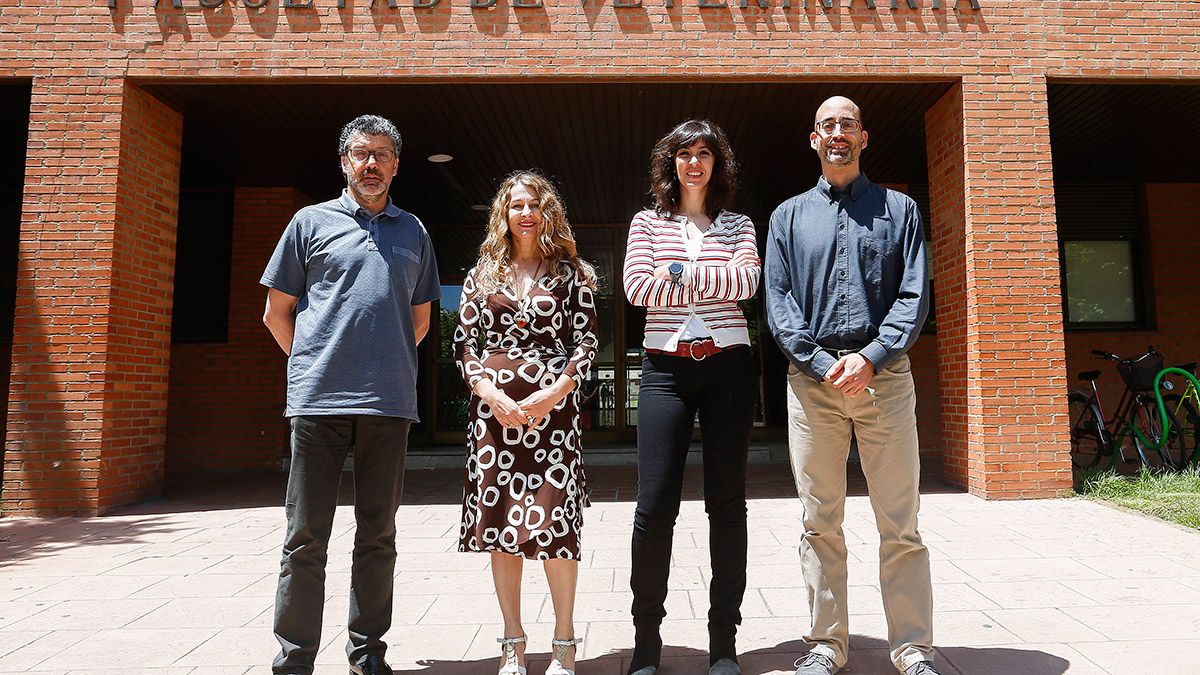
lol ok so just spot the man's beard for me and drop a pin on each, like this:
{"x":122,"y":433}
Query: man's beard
{"x":375,"y":188}
{"x":841,"y":158}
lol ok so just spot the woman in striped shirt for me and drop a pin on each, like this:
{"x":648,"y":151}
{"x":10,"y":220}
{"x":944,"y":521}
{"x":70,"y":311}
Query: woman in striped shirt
{"x":689,"y":262}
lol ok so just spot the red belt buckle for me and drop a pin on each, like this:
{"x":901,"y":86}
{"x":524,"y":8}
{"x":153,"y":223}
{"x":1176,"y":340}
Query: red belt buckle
{"x":703,"y":351}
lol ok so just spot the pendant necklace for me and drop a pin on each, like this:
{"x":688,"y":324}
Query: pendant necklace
{"x":524,"y":304}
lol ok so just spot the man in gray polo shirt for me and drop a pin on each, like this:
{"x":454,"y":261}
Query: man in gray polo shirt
{"x":349,"y":287}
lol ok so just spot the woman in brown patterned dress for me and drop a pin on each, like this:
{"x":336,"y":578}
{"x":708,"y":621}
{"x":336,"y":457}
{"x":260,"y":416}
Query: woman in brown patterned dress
{"x":530,"y":298}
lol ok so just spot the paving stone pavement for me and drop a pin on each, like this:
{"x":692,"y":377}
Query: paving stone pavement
{"x":185,"y":585}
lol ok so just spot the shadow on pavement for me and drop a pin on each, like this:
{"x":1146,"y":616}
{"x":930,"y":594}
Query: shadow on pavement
{"x":195,"y":492}
{"x":870,"y":658}
{"x":986,"y":660}
{"x":204,"y":491}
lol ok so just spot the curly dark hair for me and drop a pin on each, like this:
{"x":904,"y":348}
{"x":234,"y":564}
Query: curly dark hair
{"x":369,"y":125}
{"x":664,"y":182}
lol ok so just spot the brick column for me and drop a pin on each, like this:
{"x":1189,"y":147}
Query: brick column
{"x":995,"y":269}
{"x":91,"y":343}
{"x":227,"y":400}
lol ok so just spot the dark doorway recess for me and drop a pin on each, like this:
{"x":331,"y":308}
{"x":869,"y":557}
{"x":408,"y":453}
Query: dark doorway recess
{"x":203,"y":245}
{"x":594,"y":139}
{"x":1124,"y":133}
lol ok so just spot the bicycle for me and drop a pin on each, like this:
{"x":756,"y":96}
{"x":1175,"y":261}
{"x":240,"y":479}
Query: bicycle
{"x":1135,"y":433}
{"x":1184,"y":407}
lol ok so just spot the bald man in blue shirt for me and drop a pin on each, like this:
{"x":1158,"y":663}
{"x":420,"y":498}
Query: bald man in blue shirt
{"x":847,"y":292}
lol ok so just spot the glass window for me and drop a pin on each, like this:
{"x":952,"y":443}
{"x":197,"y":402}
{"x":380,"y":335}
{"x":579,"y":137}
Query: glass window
{"x":597,"y":400}
{"x":448,"y":320}
{"x":597,"y":397}
{"x":1100,"y":230}
{"x":1100,"y":282}
{"x":633,"y":382}
{"x":453,"y":399}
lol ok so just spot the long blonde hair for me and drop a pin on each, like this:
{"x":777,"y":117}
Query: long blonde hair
{"x":556,"y":242}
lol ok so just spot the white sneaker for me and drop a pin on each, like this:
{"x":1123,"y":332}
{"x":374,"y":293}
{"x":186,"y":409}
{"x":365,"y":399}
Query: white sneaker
{"x":817,"y":664}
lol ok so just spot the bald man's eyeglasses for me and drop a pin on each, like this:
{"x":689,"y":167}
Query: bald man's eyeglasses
{"x":829,"y":126}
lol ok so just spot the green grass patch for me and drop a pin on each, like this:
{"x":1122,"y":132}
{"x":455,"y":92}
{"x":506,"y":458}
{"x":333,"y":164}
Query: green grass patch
{"x":1170,"y":496}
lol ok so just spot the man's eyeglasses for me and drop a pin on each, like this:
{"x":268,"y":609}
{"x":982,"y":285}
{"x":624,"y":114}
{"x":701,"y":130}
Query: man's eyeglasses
{"x":361,"y":155}
{"x":848,"y":125}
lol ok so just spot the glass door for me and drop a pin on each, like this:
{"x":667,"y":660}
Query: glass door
{"x":598,"y":400}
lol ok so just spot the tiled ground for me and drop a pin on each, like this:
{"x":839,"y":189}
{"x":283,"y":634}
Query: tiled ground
{"x":185,"y":585}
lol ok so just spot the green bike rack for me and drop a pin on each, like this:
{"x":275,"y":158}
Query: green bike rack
{"x":1164,"y":421}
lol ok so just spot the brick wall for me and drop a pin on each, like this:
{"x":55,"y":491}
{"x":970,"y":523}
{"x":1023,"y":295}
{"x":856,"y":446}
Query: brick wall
{"x":1018,"y":408}
{"x":87,"y":393}
{"x":52,"y":447}
{"x":226,"y":400}
{"x":927,"y":380}
{"x":368,"y":40}
{"x":91,"y":342}
{"x":1172,"y":243}
{"x":5,"y":366}
{"x":944,"y":148}
{"x":139,"y":326}
{"x":996,"y":270}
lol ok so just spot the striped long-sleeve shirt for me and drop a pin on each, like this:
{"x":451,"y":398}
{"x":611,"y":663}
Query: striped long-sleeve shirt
{"x":711,"y":289}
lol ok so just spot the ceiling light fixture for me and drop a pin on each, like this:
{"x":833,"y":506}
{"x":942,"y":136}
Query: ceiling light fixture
{"x":440,"y":158}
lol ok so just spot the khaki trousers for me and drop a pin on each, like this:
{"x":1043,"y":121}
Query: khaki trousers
{"x":820,"y":422}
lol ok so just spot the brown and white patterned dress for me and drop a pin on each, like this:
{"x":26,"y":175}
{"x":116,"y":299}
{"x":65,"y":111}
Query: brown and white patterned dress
{"x":524,"y":488}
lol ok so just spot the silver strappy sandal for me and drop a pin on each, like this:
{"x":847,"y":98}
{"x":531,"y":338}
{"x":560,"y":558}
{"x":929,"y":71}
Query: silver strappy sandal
{"x":508,"y":647}
{"x":556,"y":666}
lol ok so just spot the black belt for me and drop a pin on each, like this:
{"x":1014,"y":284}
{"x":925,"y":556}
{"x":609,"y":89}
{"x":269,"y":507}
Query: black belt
{"x":839,"y":353}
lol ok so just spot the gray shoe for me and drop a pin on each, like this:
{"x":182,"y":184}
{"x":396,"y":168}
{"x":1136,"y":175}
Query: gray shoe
{"x":922,"y":668}
{"x":647,"y":670}
{"x":725,"y":667}
{"x":817,"y":664}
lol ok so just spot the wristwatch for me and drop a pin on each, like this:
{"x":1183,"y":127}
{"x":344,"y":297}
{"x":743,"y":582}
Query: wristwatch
{"x":675,"y":269}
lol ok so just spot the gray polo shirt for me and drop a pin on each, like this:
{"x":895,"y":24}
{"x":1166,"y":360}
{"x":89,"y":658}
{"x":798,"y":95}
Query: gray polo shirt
{"x":357,"y":277}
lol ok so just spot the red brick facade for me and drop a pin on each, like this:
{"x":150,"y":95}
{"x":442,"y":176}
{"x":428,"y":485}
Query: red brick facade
{"x":241,"y":382}
{"x":996,"y":266}
{"x":944,"y":129}
{"x":91,"y":342}
{"x":5,"y":364}
{"x":88,"y":395}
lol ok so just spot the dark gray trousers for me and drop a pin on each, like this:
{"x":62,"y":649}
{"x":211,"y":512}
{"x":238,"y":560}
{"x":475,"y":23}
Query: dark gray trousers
{"x":320,"y":445}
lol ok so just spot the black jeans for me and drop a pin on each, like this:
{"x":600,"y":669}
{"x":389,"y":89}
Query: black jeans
{"x":723,"y":390}
{"x":320,"y":445}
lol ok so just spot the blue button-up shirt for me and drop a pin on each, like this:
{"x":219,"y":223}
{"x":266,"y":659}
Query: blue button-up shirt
{"x":846,"y":270}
